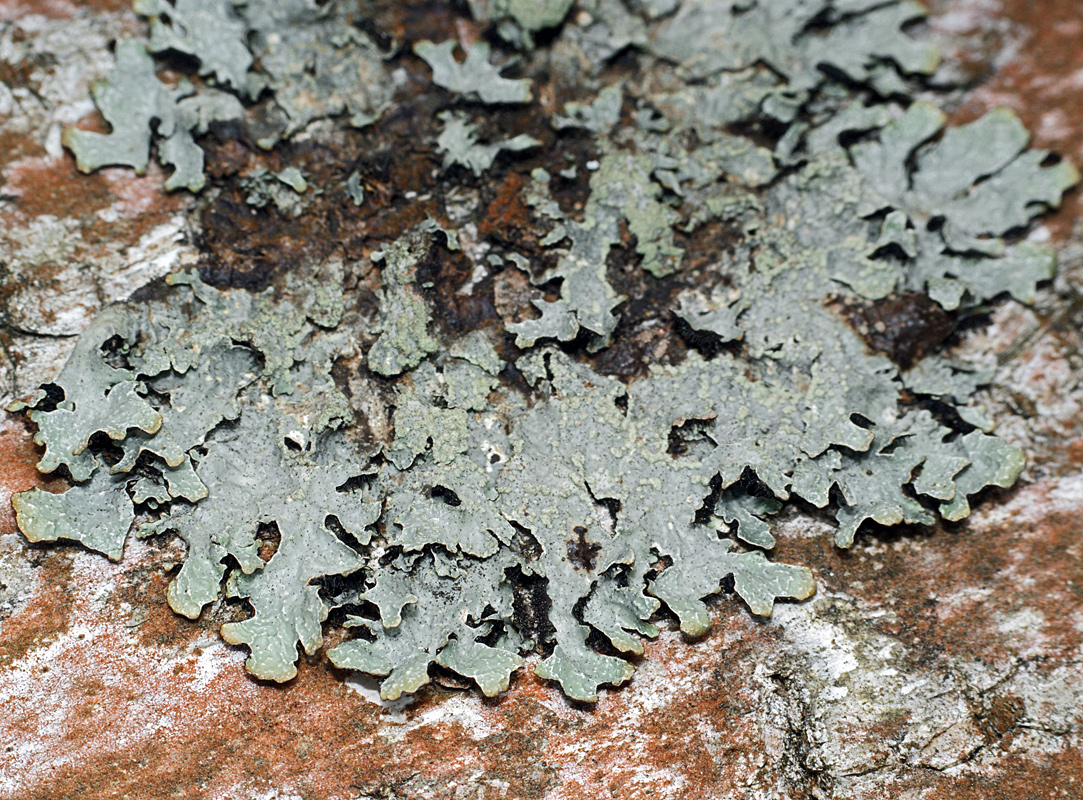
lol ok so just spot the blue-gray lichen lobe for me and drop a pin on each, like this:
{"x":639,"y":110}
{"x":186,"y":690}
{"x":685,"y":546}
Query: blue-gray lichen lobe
{"x":451,"y":468}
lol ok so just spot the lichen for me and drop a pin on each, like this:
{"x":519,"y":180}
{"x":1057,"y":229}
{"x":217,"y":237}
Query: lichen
{"x":475,"y":76}
{"x":458,"y":144}
{"x":338,"y":441}
{"x":285,"y":190}
{"x":132,"y":100}
{"x":519,"y":20}
{"x":209,"y":30}
{"x":404,"y":338}
{"x":314,"y":65}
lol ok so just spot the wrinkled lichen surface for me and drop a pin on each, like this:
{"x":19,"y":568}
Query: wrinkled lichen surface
{"x":465,"y":496}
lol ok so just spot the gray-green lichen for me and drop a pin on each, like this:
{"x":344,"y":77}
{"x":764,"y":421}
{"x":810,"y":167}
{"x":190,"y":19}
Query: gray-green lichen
{"x":473,"y":497}
{"x":458,"y":144}
{"x":285,"y":190}
{"x":132,"y":100}
{"x":716,"y":40}
{"x":475,"y":76}
{"x":210,"y":30}
{"x":621,"y":190}
{"x":598,"y":117}
{"x":518,"y":20}
{"x":312,"y":61}
{"x":403,"y":326}
{"x":316,"y":64}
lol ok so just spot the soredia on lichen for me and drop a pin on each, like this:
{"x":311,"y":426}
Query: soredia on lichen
{"x":469,"y":490}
